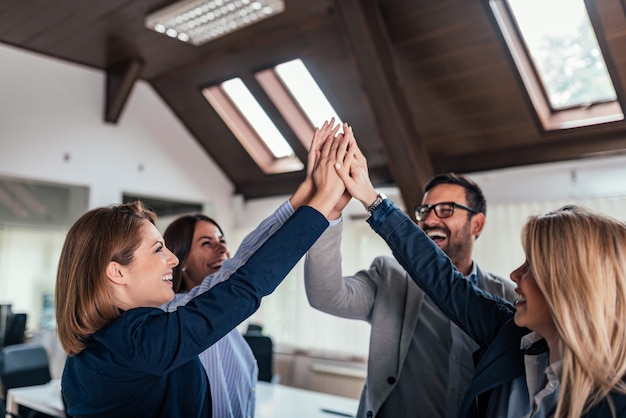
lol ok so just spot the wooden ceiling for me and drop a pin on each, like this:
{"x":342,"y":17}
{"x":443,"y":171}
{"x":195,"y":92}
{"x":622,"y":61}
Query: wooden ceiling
{"x":428,"y":86}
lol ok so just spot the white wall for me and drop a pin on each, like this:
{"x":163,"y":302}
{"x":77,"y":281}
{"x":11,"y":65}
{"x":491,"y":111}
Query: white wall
{"x":49,"y":109}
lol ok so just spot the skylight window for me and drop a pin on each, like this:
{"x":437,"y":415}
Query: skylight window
{"x":298,"y":98}
{"x":561,"y":64}
{"x":306,"y":92}
{"x":251,"y":125}
{"x":256,"y":116}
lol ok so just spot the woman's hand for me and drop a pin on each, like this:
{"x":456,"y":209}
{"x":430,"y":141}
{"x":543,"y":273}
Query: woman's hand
{"x":306,"y":189}
{"x":328,"y":184}
{"x":351,"y":167}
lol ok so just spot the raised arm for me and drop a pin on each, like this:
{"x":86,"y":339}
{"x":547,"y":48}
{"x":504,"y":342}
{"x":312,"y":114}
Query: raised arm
{"x":163,"y":341}
{"x":326,"y":289}
{"x":479,"y":314}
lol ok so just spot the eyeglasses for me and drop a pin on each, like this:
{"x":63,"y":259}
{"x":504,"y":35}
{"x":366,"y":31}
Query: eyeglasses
{"x":442,"y":210}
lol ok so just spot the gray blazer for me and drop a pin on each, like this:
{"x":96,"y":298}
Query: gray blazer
{"x":386,"y":297}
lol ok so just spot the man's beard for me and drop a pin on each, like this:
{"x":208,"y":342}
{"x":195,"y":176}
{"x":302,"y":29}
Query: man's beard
{"x":459,"y":246}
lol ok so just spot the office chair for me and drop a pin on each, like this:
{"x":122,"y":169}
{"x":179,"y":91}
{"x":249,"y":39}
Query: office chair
{"x":263,"y":350}
{"x":23,"y":365}
{"x":254,"y":328}
{"x":15,"y":329}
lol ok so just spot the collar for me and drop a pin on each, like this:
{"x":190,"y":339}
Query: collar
{"x":473,"y":276}
{"x":533,"y":344}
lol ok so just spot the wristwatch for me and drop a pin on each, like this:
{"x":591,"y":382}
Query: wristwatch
{"x":379,"y":199}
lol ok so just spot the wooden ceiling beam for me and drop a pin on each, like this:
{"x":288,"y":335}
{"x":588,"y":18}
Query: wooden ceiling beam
{"x":613,"y":143}
{"x":368,"y":41}
{"x":121,"y":78}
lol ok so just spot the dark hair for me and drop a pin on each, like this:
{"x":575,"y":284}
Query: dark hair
{"x":178,"y":239}
{"x":473,"y":193}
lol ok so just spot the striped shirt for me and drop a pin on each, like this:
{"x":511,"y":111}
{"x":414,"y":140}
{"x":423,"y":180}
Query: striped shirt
{"x":229,"y":363}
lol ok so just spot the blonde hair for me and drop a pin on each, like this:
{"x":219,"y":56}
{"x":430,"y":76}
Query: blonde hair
{"x":84,"y":303}
{"x":578,"y":259}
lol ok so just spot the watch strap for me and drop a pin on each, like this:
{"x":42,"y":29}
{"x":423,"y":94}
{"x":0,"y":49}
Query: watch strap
{"x":379,"y":199}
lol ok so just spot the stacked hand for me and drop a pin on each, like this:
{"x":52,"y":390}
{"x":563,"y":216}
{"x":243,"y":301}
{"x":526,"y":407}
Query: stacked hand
{"x":307,"y":189}
{"x":351,"y":167}
{"x":336,"y":171}
{"x":328,"y":185}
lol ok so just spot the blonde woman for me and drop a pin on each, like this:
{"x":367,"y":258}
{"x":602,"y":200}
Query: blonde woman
{"x":578,"y":280}
{"x":561,"y":350}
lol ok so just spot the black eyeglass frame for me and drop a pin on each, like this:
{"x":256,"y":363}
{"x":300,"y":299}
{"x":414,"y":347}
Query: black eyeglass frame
{"x":436,"y":206}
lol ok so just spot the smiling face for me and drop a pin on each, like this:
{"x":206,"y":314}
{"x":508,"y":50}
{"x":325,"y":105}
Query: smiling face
{"x":207,"y":252}
{"x":454,"y":235}
{"x":532,"y":309}
{"x":147,"y":280}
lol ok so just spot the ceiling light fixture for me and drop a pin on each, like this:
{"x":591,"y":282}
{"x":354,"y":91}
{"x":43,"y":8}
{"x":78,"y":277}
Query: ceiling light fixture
{"x":199,"y":21}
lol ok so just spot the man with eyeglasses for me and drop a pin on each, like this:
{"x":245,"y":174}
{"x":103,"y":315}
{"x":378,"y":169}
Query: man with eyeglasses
{"x":419,"y":362}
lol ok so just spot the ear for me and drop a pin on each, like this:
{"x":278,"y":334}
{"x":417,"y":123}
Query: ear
{"x":478,"y":223}
{"x":115,"y":274}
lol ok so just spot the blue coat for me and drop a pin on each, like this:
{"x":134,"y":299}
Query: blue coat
{"x":485,"y":318}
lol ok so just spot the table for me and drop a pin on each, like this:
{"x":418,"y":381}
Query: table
{"x":279,"y":401}
{"x":272,"y":401}
{"x":42,"y":398}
